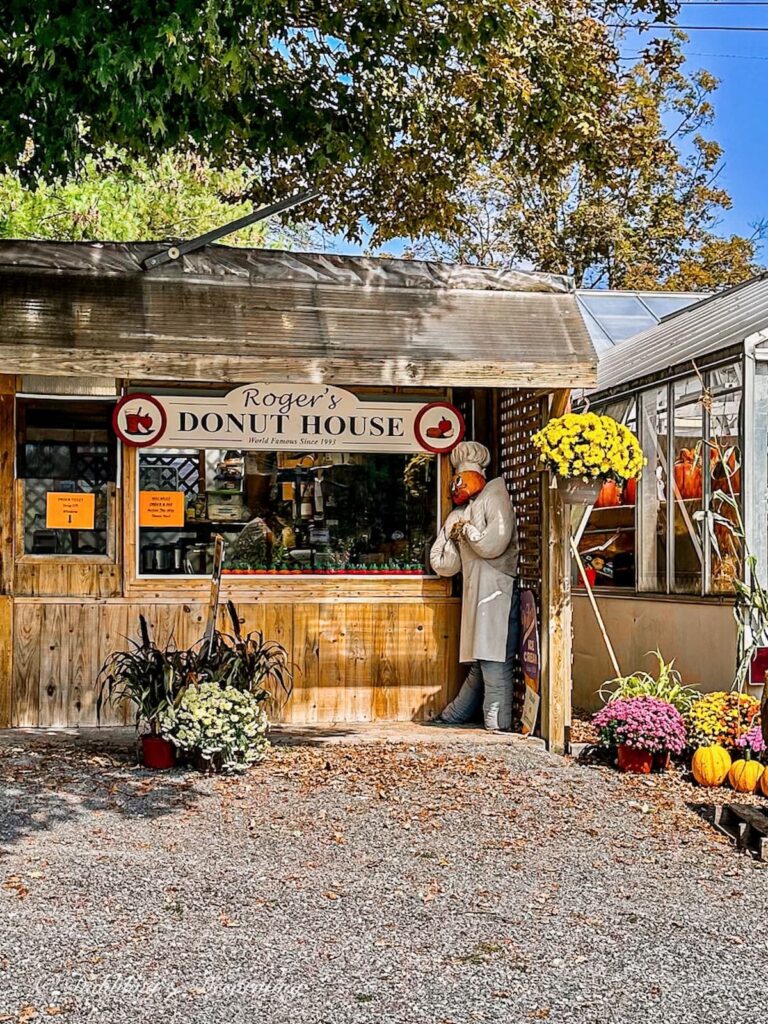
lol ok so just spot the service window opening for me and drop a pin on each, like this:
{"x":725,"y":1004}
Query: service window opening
{"x":286,"y":511}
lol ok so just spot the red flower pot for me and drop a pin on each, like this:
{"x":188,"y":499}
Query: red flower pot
{"x":633,"y":760}
{"x":157,"y":753}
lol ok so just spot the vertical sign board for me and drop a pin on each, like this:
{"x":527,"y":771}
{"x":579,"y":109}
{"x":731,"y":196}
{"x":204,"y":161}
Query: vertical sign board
{"x":530,"y":660}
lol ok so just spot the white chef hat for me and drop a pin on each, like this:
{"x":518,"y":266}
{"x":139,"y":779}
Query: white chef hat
{"x":470,"y":455}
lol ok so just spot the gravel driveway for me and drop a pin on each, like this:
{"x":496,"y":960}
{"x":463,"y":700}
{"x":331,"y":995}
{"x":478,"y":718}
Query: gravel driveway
{"x":369,"y":883}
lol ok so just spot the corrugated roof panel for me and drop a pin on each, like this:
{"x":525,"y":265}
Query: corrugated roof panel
{"x":717,"y":322}
{"x":229,"y":315}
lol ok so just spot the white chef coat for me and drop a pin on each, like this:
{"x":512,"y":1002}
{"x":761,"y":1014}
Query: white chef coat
{"x":487,"y":556}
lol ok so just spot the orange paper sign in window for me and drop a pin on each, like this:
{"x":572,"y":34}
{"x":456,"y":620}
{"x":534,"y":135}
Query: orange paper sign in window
{"x":66,"y":510}
{"x":161,"y":508}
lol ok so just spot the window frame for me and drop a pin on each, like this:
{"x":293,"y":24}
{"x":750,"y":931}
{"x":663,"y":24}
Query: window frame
{"x":705,"y":591}
{"x":161,"y":581}
{"x":113,"y":511}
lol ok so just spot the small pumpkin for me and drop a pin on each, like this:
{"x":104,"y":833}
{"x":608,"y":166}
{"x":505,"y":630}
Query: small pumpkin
{"x":710,"y":765}
{"x":763,"y":783}
{"x":610,"y":495}
{"x":744,"y":775}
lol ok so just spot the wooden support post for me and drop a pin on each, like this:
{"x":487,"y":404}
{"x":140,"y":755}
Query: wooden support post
{"x":556,"y":611}
{"x":7,"y":449}
{"x":561,"y":403}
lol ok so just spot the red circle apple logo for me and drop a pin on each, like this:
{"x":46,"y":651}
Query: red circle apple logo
{"x":139,"y":420}
{"x":439,"y":427}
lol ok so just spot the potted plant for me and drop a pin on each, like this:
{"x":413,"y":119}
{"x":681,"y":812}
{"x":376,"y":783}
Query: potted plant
{"x":221,"y":718}
{"x":667,"y":685}
{"x":220,"y":727}
{"x":722,"y":717}
{"x":584,"y":450}
{"x":245,"y":661}
{"x":153,"y":680}
{"x":641,"y":728}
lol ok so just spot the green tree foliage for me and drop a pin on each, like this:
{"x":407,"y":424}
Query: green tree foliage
{"x":644,"y":217}
{"x":383,"y":104}
{"x":119,"y":199}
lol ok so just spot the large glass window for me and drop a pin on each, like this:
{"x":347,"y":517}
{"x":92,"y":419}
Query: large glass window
{"x":693,"y":448}
{"x":688,"y":485}
{"x":284,"y":512}
{"x":652,"y":491}
{"x":66,"y":463}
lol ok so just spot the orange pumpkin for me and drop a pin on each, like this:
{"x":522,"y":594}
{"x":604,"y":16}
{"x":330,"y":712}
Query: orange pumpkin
{"x":688,"y":474}
{"x":610,"y":494}
{"x":744,"y":775}
{"x":710,"y":765}
{"x":629,"y":494}
{"x":763,"y":784}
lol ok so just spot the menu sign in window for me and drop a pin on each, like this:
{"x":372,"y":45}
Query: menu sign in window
{"x":161,"y":508}
{"x":70,"y":510}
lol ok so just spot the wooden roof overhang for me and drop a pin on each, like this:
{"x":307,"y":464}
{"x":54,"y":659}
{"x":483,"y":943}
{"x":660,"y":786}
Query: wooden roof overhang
{"x":235,"y":315}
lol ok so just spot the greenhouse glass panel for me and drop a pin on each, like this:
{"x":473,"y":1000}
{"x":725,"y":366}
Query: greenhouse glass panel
{"x":687,"y":486}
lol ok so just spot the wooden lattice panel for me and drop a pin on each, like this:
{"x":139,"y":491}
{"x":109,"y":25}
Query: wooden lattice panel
{"x":519,"y":417}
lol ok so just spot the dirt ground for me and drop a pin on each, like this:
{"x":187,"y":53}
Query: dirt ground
{"x":420,"y":875}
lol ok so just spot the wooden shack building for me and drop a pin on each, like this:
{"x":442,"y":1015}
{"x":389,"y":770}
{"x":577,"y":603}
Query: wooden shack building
{"x":272,"y":398}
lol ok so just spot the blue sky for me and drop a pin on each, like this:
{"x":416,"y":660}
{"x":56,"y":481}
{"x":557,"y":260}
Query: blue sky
{"x":740,"y":60}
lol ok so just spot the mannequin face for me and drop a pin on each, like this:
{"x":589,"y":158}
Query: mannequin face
{"x":466,"y":485}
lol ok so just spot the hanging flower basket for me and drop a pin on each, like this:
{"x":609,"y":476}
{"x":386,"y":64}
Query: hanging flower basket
{"x":584,"y":450}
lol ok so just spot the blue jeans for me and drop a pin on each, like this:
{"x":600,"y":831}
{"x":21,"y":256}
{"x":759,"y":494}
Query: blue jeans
{"x":490,"y":683}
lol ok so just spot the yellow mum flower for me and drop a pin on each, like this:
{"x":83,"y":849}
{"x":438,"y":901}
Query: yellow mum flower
{"x":588,"y":444}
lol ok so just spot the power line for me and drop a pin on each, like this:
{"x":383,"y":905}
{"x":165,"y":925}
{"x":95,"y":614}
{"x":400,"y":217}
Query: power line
{"x":723,"y":56}
{"x":730,"y":56}
{"x":666,"y":26}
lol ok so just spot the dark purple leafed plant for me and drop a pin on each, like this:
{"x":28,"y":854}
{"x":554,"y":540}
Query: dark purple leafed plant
{"x":645,"y":723}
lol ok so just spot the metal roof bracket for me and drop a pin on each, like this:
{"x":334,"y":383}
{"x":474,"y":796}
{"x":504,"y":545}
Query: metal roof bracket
{"x":175,"y":252}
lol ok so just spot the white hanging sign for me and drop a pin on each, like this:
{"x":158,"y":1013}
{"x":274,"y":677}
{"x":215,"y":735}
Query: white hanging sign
{"x":298,"y":416}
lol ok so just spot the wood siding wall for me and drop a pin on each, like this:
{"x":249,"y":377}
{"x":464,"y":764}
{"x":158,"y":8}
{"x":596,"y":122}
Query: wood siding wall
{"x":362,"y":649}
{"x":354,"y":661}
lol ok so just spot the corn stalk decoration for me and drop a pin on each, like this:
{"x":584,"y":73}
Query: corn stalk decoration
{"x":751,"y":605}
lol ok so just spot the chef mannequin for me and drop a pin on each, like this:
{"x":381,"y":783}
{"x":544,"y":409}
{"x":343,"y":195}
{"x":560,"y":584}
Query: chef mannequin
{"x":479,"y":538}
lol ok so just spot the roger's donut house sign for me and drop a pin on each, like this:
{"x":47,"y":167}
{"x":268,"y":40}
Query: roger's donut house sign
{"x":257,"y":416}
